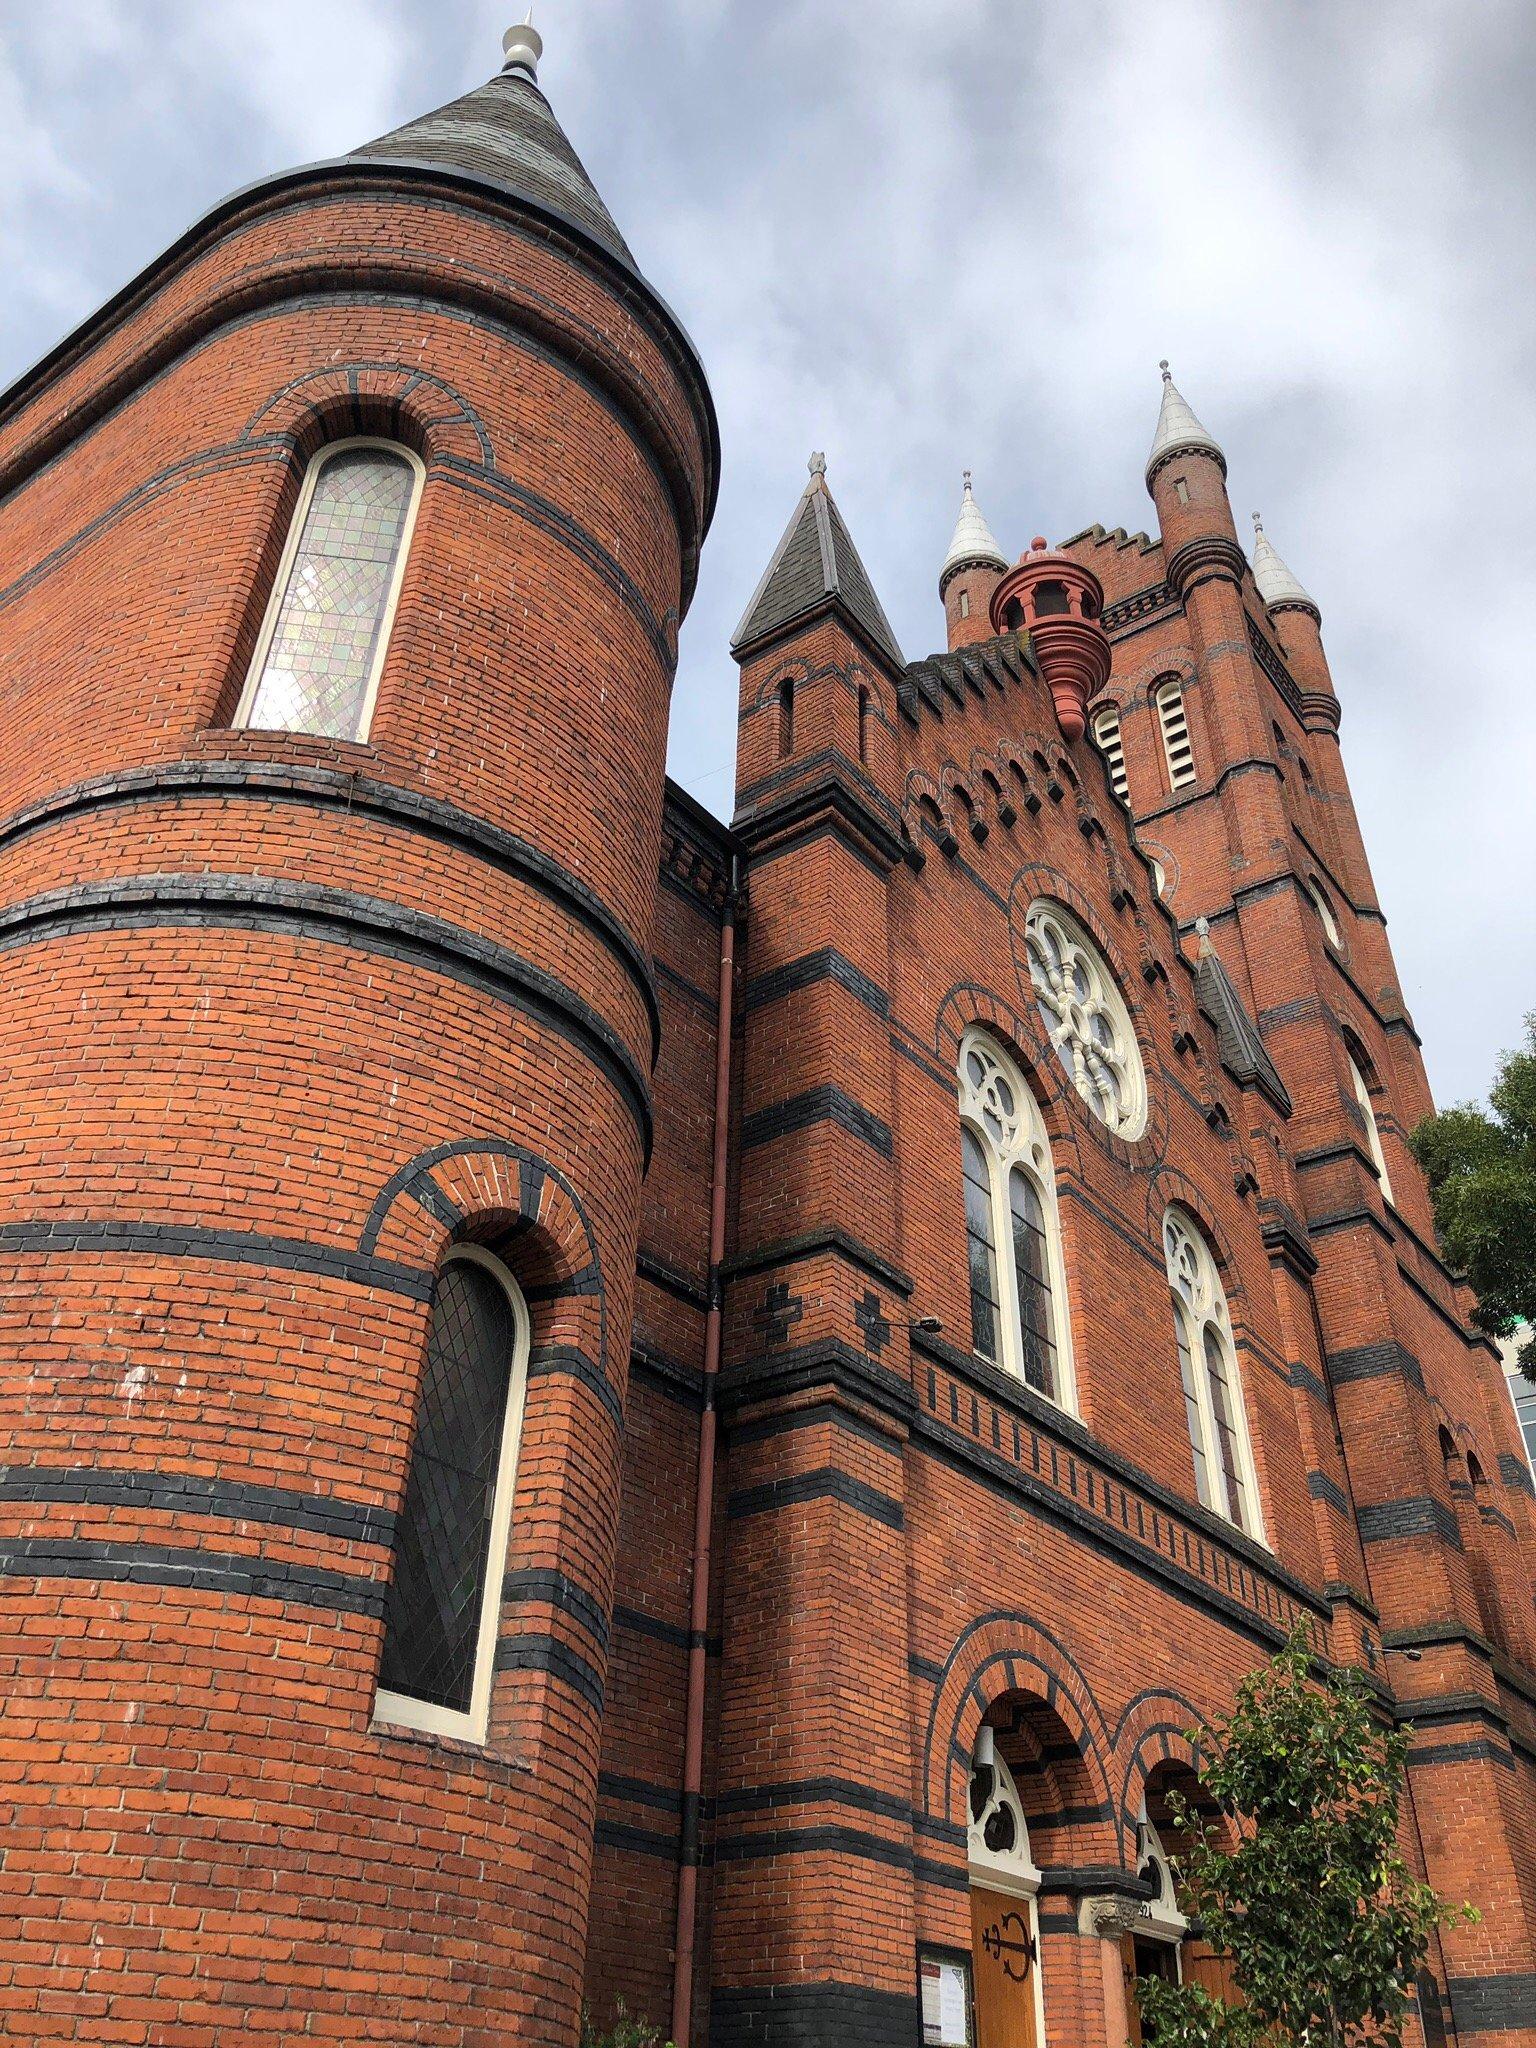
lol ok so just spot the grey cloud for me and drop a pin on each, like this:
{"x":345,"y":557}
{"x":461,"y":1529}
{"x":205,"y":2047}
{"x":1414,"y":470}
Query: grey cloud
{"x":927,"y":237}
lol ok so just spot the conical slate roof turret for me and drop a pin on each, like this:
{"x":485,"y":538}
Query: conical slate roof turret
{"x":974,"y":544}
{"x":816,"y":561}
{"x":1178,"y":431}
{"x":504,"y":132}
{"x":1276,"y":584}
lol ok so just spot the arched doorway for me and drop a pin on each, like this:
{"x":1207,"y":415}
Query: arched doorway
{"x":1154,"y":1947}
{"x":1005,"y":1925}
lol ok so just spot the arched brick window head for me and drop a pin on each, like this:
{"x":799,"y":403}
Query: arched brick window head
{"x":451,"y":1538}
{"x":1213,"y":1389}
{"x":1012,"y":1229}
{"x":322,"y":643}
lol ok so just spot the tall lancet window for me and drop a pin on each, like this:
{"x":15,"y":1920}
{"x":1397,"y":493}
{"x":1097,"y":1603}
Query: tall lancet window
{"x":1213,"y":1389}
{"x":1367,"y":1110}
{"x":1012,"y":1230}
{"x":322,"y":643}
{"x":1173,"y":719}
{"x":451,"y":1539}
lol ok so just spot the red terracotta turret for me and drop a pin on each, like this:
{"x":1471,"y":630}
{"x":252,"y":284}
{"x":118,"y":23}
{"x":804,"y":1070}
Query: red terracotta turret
{"x":1060,"y":602}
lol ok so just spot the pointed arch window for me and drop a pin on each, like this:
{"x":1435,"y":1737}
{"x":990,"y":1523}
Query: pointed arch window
{"x":1012,"y":1228}
{"x":451,"y":1537}
{"x":322,"y":644}
{"x":1107,"y":737}
{"x":1368,"y":1112}
{"x":1173,"y":722}
{"x":1213,"y":1391}
{"x":1318,"y":898}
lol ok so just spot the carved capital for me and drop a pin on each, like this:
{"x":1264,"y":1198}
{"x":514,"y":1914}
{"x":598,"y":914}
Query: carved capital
{"x":1110,"y":1916}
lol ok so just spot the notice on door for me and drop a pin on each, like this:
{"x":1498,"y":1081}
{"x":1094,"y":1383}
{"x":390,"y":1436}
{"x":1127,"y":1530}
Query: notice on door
{"x":946,"y":1992}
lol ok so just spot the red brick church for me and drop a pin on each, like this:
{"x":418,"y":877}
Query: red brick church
{"x":603,"y":1404}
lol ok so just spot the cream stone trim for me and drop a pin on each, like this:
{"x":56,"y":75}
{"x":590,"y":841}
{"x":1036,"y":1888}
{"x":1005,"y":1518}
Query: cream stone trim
{"x":400,"y":1710}
{"x":319,"y":461}
{"x":1372,"y":1134}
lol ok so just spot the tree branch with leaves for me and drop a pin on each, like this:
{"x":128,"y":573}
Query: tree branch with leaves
{"x":1298,"y":1877}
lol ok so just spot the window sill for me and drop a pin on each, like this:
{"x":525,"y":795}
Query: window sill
{"x":455,"y":1752}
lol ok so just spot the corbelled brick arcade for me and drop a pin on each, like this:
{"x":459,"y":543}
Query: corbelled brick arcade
{"x":599,"y":1405}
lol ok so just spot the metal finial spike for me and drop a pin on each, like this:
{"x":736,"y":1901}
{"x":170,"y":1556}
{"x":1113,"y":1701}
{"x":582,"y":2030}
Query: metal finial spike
{"x":818,"y":463}
{"x":967,"y":475}
{"x":1258,"y":523}
{"x":1167,"y":373}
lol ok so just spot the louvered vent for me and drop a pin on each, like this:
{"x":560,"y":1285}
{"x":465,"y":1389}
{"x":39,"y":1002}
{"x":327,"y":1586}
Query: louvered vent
{"x":1106,"y":732}
{"x":1177,"y":751}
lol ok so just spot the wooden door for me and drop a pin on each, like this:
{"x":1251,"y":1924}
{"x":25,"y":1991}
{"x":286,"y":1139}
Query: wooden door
{"x":1004,"y":1965}
{"x":1210,"y":1971}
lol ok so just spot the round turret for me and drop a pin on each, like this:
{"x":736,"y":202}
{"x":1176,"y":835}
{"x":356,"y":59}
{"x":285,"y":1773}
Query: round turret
{"x":350,"y":544}
{"x":1059,"y":603}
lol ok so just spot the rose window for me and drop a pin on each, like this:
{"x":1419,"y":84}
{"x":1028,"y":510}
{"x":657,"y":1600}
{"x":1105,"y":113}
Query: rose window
{"x":1086,"y":1017}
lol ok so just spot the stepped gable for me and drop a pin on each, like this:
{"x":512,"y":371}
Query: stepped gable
{"x":505,"y":132}
{"x":1242,"y":1049}
{"x":943,"y":680}
{"x":816,"y":563}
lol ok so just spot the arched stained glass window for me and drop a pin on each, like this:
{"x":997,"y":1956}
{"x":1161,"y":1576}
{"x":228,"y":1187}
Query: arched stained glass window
{"x":1013,"y":1238}
{"x":451,"y":1539}
{"x":322,"y":643}
{"x":1213,"y":1395}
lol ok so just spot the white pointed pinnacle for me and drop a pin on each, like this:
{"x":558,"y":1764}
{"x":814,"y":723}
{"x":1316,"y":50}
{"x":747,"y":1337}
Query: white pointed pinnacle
{"x":973,"y":540}
{"x":1178,"y":431}
{"x":521,"y":49}
{"x":1280,"y":589}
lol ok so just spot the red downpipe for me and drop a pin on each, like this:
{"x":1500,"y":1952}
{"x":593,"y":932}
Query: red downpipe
{"x":703,"y":1516}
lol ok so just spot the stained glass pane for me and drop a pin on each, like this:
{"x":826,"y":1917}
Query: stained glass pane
{"x":432,"y":1623}
{"x":981,"y":1249}
{"x":1192,"y":1409}
{"x":320,"y":657}
{"x":1037,"y":1328}
{"x":1226,"y":1435}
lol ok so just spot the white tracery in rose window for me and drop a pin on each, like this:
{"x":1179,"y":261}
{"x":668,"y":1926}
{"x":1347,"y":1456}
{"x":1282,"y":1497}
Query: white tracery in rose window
{"x":1086,"y":1017}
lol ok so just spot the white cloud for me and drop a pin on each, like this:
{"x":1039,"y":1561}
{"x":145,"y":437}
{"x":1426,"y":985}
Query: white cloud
{"x":928,"y":237}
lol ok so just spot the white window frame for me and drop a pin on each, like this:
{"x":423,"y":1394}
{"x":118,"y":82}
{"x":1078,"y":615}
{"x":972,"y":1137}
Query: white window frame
{"x":1075,"y":1015}
{"x":1209,"y":1312}
{"x":1110,"y":741}
{"x":1025,"y":1145}
{"x":1173,"y":726}
{"x":401,"y":1710}
{"x":1013,"y":1872}
{"x":1368,"y":1111}
{"x":1163,"y":1921}
{"x":318,"y":463}
{"x":1319,"y":901}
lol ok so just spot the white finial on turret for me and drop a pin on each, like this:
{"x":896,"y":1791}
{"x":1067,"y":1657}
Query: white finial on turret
{"x":521,"y":49}
{"x":1275,"y":583}
{"x":818,"y":463}
{"x":973,"y":543}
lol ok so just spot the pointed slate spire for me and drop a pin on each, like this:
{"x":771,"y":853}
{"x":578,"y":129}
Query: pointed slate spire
{"x":504,"y":132}
{"x":1275,"y":583}
{"x":816,"y":561}
{"x":1238,"y":1040}
{"x":1178,"y":431}
{"x":974,"y":544}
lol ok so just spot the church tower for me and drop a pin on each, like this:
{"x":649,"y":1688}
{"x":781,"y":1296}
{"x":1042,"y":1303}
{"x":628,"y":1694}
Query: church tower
{"x":346,"y":552}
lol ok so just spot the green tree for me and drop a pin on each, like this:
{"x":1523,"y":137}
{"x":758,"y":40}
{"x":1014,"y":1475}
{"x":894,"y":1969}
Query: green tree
{"x":1300,"y":1882}
{"x":1481,"y":1171}
{"x":626,"y":2031}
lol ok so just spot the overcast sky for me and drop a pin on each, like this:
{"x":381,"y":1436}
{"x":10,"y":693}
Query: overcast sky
{"x":931,"y":234}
